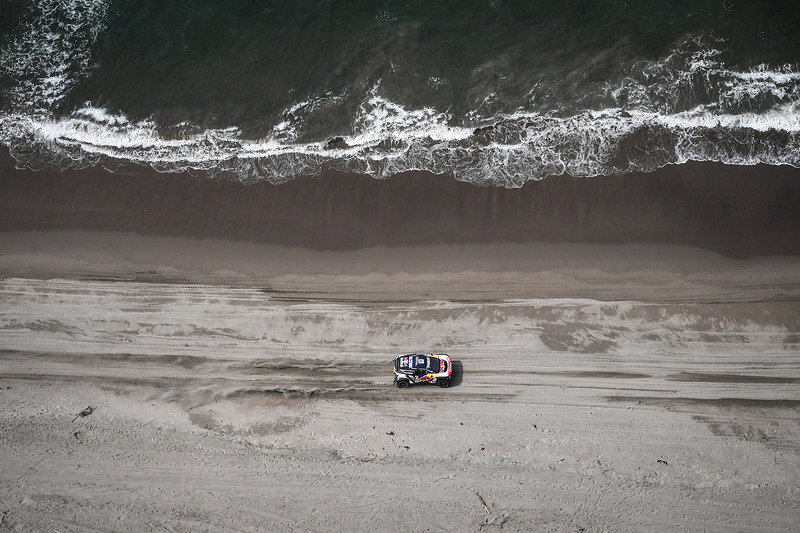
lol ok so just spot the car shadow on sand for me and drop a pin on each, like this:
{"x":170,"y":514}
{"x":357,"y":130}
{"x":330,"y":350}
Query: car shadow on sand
{"x":458,"y":374}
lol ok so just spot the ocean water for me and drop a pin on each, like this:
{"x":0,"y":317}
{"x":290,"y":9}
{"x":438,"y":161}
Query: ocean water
{"x":494,"y":92}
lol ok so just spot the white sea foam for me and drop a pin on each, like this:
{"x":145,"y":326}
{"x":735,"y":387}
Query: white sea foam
{"x":693,"y":70}
{"x":785,"y":117}
{"x":388,"y":139}
{"x":379,"y":119}
{"x":748,"y":118}
{"x":51,"y":52}
{"x":292,"y":118}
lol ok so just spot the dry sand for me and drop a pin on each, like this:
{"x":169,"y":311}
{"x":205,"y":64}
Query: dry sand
{"x":598,"y":388}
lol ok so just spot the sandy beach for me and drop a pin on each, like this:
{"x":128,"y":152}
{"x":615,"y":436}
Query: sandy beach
{"x":170,"y":363}
{"x":247,"y":387}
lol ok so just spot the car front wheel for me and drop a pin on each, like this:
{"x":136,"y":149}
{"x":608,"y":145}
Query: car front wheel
{"x":444,"y":383}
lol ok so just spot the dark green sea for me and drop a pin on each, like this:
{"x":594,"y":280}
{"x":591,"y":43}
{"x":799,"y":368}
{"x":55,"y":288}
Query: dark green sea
{"x":491,"y":92}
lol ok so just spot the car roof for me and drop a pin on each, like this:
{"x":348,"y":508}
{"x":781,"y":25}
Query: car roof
{"x":413,"y":361}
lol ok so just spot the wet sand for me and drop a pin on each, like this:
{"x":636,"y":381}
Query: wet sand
{"x":738,"y":212}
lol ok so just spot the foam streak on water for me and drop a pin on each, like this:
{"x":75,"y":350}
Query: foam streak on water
{"x":388,"y":139}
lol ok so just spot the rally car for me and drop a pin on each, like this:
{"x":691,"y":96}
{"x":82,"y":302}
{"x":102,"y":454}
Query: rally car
{"x":416,"y":369}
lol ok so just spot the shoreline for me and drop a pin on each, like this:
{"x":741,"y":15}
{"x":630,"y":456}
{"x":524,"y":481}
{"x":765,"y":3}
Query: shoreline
{"x":739,"y":212}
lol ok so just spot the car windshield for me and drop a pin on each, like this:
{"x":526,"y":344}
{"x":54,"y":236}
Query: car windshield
{"x":434,"y":364}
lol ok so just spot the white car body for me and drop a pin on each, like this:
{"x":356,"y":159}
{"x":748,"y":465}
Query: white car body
{"x":415,"y":369}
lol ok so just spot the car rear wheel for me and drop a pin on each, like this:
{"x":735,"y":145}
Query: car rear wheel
{"x":402,"y":383}
{"x":444,"y":383}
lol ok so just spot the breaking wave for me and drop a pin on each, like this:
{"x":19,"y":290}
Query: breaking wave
{"x":688,"y":105}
